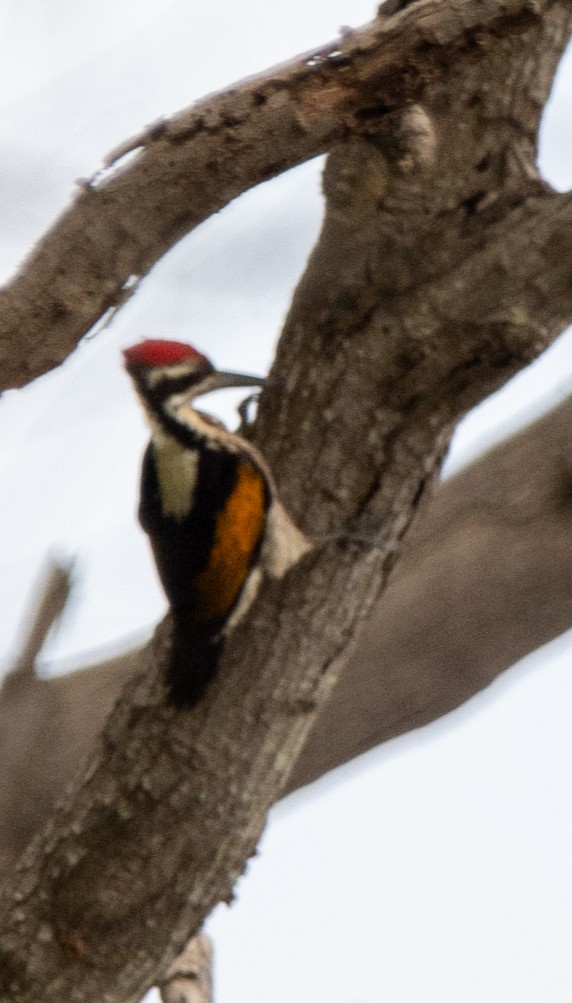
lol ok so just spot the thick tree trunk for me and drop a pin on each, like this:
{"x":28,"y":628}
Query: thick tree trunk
{"x":484,"y":579}
{"x":417,"y":302}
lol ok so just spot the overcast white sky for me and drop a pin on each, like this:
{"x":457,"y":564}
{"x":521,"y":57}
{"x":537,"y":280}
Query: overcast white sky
{"x":437,"y":868}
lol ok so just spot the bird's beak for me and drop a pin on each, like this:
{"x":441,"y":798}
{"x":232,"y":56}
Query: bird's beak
{"x":219,"y":379}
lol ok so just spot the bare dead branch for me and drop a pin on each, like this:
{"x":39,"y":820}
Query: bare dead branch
{"x":48,"y":610}
{"x":485,"y":578}
{"x":443,"y":629}
{"x":379,"y":357}
{"x":425,"y":355}
{"x":186,"y":168}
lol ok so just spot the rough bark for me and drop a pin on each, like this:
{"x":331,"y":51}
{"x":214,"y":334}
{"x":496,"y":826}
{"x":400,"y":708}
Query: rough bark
{"x":415,"y":305}
{"x":484,"y":579}
{"x":163,"y":183}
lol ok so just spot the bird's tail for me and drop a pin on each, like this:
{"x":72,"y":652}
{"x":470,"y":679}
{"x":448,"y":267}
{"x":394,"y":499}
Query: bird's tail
{"x":193,"y":664}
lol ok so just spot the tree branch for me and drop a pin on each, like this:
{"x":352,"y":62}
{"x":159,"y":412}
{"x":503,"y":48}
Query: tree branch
{"x":484,"y":580}
{"x":48,"y":610}
{"x":453,"y":617}
{"x":186,"y":168}
{"x":378,"y":359}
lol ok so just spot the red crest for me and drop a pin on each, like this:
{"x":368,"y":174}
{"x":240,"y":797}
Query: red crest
{"x":155,"y":352}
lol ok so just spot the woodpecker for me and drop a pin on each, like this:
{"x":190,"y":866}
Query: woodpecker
{"x":209,"y":506}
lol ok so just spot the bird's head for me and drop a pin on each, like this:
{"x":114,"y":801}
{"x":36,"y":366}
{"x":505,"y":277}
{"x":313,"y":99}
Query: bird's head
{"x":162,"y":369}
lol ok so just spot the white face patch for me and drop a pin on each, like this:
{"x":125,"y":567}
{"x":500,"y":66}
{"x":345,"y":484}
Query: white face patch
{"x":173,"y":372}
{"x":177,"y":473}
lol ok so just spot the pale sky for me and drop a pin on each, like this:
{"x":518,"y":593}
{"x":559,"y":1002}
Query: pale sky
{"x":436,"y":869}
